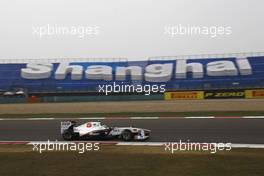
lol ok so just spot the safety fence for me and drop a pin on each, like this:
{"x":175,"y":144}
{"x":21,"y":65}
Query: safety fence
{"x":172,"y":95}
{"x":78,"y":98}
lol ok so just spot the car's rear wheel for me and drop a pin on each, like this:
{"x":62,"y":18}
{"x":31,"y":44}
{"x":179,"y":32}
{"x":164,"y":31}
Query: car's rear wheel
{"x":127,"y":135}
{"x":68,"y":135}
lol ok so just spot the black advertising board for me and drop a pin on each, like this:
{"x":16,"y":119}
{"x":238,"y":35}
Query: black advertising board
{"x":224,"y":94}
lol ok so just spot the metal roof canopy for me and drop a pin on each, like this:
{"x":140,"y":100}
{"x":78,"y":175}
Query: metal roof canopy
{"x":201,"y":56}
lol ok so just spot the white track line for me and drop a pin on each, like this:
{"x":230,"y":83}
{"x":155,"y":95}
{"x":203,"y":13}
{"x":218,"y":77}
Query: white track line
{"x":23,"y":119}
{"x":253,"y":117}
{"x":206,"y":117}
{"x":142,"y":118}
{"x":40,"y":118}
{"x":253,"y":146}
{"x":71,"y":142}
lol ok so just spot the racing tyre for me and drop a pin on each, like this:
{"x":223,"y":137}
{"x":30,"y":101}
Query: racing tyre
{"x":127,"y":135}
{"x":68,"y":135}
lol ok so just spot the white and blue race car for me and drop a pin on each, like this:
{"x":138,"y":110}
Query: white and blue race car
{"x":70,"y":131}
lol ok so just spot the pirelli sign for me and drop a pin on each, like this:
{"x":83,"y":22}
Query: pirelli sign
{"x":184,"y":95}
{"x":259,"y":93}
{"x":214,"y":94}
{"x":224,"y":94}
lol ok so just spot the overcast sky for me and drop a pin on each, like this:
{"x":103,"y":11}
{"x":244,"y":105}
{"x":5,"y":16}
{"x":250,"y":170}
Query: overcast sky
{"x":128,"y":28}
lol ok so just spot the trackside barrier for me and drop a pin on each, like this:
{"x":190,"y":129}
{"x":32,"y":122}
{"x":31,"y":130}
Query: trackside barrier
{"x":101,"y":98}
{"x":224,"y":94}
{"x":215,"y":94}
{"x":259,"y":93}
{"x":176,"y":95}
{"x":188,"y":95}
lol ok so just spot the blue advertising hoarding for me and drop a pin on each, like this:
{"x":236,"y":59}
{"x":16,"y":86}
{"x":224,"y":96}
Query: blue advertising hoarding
{"x":190,"y":74}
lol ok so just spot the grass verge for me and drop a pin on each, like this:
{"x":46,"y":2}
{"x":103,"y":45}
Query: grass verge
{"x":125,"y":160}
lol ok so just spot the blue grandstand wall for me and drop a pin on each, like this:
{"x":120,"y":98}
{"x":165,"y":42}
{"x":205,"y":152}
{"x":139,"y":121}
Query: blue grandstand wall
{"x":175,"y":74}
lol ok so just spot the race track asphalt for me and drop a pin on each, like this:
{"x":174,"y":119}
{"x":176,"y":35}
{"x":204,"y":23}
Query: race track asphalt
{"x":163,"y":130}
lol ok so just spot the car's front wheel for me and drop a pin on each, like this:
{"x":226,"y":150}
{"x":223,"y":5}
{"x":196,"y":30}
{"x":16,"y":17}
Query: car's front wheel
{"x":127,"y":135}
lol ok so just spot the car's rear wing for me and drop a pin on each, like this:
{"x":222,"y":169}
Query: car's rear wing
{"x":65,"y":125}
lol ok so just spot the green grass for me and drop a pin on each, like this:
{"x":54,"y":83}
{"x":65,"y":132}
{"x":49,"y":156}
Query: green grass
{"x":135,"y":161}
{"x":138,"y":114}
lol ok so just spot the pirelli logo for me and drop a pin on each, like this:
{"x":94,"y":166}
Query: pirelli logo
{"x":188,"y":95}
{"x":255,"y":93}
{"x":258,"y":93}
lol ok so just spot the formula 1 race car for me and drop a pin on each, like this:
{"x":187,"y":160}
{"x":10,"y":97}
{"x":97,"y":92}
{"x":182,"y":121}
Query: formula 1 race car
{"x":70,"y":131}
